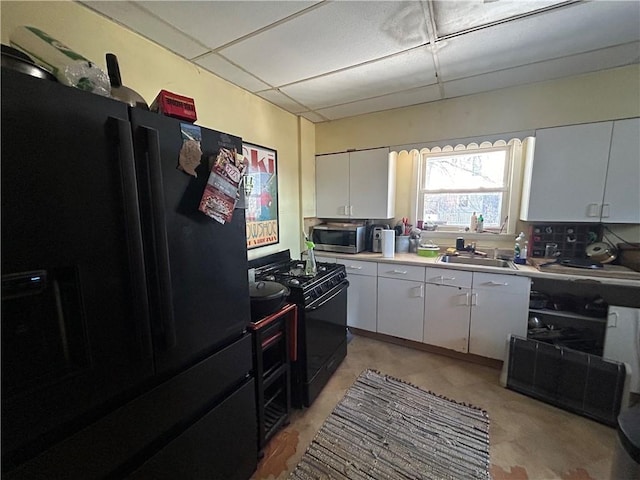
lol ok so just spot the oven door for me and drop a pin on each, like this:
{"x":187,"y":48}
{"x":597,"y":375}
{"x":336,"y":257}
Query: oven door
{"x":325,"y":323}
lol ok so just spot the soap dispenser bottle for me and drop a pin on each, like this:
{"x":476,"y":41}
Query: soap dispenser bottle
{"x":517,"y":249}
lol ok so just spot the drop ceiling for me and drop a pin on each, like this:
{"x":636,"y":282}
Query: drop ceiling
{"x":325,"y":60}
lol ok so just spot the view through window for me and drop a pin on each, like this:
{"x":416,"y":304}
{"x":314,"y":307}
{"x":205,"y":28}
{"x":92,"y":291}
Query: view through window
{"x":454,"y":185}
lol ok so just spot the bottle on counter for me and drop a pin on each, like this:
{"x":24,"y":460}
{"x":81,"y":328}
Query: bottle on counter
{"x":524,"y":251}
{"x":517,"y":249}
{"x":473,"y":226}
{"x":310,"y":268}
{"x":480,"y":227}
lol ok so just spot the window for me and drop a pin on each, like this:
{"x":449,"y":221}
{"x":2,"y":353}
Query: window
{"x":453,"y":183}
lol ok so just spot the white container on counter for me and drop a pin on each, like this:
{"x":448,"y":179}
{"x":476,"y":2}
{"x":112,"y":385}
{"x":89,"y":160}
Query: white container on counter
{"x":388,"y":243}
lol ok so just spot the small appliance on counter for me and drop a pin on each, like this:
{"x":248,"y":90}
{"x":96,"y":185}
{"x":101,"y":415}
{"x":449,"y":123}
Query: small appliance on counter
{"x":339,"y":237}
{"x":374,"y":237}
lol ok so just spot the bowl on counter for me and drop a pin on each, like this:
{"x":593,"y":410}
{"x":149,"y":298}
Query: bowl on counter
{"x":428,"y":250}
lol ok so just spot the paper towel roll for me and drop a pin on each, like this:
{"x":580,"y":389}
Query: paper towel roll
{"x":388,"y":243}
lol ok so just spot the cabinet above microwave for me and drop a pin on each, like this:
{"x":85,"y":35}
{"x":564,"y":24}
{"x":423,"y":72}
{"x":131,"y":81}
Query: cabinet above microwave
{"x":356,"y":185}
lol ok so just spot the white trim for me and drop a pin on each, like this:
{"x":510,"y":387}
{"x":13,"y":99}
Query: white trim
{"x":518,"y":154}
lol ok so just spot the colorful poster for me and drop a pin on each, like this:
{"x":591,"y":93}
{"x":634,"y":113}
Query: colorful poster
{"x":261,"y":191}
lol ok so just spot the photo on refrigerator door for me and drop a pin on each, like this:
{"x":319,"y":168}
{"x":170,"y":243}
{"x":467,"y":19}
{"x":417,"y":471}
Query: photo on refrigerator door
{"x":261,"y":190}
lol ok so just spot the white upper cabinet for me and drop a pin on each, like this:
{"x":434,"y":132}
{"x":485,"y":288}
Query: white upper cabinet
{"x":584,"y":173}
{"x":621,"y":202}
{"x":357,"y":185}
{"x":332,"y":185}
{"x":567,"y":175}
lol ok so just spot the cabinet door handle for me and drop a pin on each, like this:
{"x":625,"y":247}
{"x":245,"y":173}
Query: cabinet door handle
{"x":353,"y":267}
{"x":399,"y":272}
{"x":350,"y":209}
{"x":466,"y":299}
{"x":495,"y":284}
{"x":593,"y":210}
{"x":443,"y":279}
{"x":419,"y":290}
{"x":613,"y":322}
{"x":606,"y":210}
{"x":474,"y":296}
{"x":346,"y":210}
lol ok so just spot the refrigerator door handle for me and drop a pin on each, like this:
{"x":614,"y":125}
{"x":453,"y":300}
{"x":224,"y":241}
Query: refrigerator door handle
{"x":134,"y":235}
{"x":161,"y":246}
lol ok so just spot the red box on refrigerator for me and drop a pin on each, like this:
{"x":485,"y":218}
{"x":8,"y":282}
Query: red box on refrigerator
{"x":174,"y":105}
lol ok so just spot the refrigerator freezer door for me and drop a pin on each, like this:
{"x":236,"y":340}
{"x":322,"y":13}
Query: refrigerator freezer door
{"x":69,"y":214}
{"x":197,"y":267}
{"x":622,"y":341}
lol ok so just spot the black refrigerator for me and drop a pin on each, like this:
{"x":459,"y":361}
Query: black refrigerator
{"x":124,"y":308}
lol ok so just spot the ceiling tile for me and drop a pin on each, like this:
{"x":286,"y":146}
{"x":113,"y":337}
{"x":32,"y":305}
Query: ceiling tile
{"x":282,"y":101}
{"x":416,"y":96}
{"x":140,"y":21}
{"x":548,"y":70}
{"x":333,"y":36}
{"x":568,"y":31}
{"x":400,"y":72}
{"x":454,"y":17}
{"x":222,"y":68}
{"x":216,"y":23}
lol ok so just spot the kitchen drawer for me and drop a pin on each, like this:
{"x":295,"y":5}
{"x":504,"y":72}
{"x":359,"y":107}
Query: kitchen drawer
{"x":136,"y":428}
{"x":201,"y":451}
{"x":401,"y":272}
{"x":450,"y":277}
{"x":358,"y":267}
{"x":509,"y":283}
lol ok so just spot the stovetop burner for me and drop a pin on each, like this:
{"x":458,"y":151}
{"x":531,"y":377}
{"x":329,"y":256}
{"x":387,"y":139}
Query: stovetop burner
{"x":293,"y":273}
{"x":305,"y":289}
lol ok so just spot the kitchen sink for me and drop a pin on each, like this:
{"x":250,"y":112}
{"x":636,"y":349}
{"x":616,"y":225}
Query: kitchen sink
{"x":483,"y":261}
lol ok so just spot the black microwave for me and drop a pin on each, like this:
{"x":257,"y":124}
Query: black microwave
{"x":339,"y":238}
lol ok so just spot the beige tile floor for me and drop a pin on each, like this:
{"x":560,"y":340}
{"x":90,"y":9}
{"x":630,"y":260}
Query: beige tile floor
{"x":529,"y":439}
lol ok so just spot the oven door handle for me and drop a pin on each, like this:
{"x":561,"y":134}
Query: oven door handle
{"x":344,"y":284}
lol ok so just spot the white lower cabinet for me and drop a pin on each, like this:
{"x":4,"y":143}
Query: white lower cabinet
{"x":401,"y":300}
{"x":447,"y":308}
{"x":361,"y":294}
{"x":622,"y":340}
{"x":473,"y":312}
{"x":499,"y":306}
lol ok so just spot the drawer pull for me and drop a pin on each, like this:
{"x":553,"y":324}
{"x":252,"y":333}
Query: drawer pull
{"x":353,"y":267}
{"x":399,"y":272}
{"x":496,"y":284}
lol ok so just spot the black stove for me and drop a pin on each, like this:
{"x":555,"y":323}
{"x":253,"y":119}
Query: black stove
{"x":322,"y":319}
{"x":304,"y":288}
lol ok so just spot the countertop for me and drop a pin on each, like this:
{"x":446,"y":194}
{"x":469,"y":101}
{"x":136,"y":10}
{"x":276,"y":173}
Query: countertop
{"x":521,"y":270}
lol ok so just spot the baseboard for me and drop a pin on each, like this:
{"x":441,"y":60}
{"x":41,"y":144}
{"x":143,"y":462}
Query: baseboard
{"x":467,"y":357}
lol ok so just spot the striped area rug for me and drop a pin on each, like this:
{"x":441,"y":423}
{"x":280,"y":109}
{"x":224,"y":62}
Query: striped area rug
{"x":385,"y":428}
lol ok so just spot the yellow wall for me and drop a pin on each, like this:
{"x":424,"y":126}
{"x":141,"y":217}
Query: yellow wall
{"x":148,"y":68}
{"x":604,"y":95}
{"x":599,"y":96}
